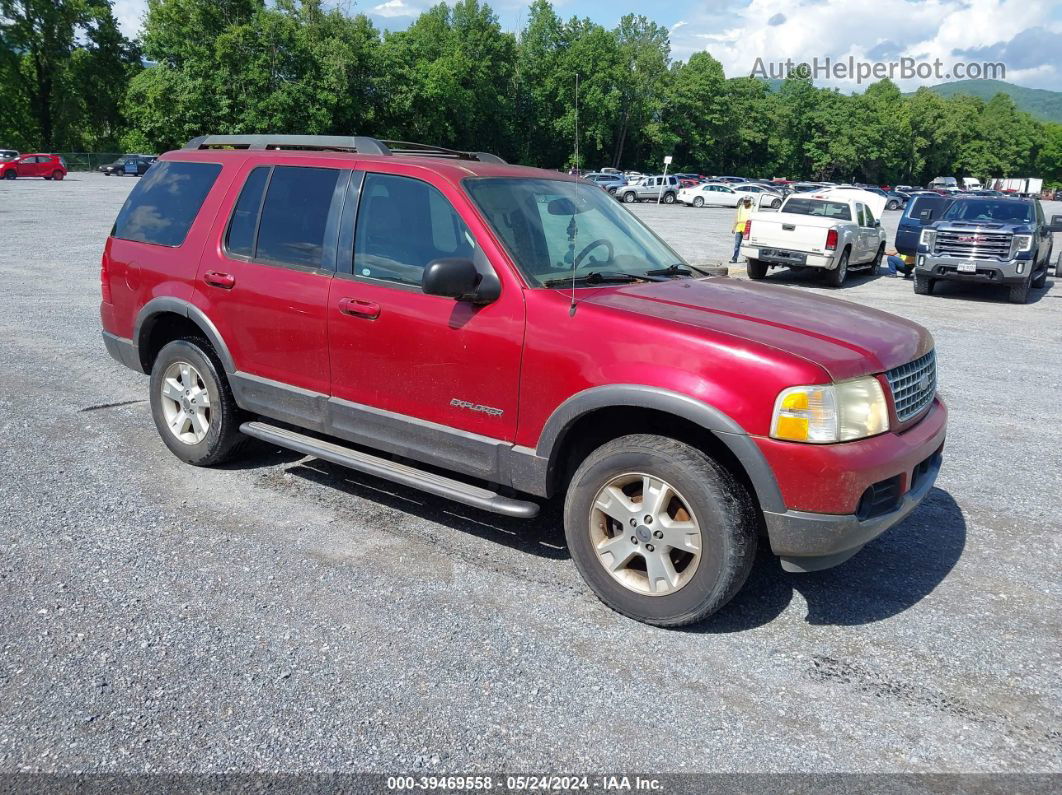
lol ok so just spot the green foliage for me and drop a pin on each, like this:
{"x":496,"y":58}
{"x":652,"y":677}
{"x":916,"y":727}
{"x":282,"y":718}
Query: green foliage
{"x":68,"y":79}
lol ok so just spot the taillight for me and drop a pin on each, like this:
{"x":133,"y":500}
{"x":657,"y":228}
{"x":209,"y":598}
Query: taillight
{"x":831,"y":240}
{"x":105,"y":279}
{"x":748,"y":230}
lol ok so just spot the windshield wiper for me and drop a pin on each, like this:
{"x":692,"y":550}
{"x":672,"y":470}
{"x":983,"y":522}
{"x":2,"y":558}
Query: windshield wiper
{"x":676,"y":270}
{"x":595,"y":278}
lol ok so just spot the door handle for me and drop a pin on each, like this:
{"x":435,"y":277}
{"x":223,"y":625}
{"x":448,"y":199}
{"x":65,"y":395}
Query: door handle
{"x":357,"y":307}
{"x":226,"y":281}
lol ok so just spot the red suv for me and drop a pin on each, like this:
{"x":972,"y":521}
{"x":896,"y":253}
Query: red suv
{"x":47,"y":166}
{"x":501,"y":336}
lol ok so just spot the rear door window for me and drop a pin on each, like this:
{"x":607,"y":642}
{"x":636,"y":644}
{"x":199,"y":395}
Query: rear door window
{"x":162,"y":207}
{"x":295,"y":216}
{"x":243,"y":227}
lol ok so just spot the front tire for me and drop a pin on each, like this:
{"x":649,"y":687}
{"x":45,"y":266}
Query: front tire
{"x":836,"y":277}
{"x":192,"y":404}
{"x":10,"y":174}
{"x":1041,"y":279}
{"x":923,"y":285}
{"x":1019,"y":293}
{"x":893,"y":205}
{"x":629,"y":198}
{"x":757,"y":269}
{"x":658,"y":530}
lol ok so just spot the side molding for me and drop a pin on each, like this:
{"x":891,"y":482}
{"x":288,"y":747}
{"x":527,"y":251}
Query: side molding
{"x":708,"y":417}
{"x":157,"y":306}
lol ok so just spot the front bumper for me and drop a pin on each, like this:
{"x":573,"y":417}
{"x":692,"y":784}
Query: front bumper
{"x":831,"y":488}
{"x":810,"y":260}
{"x":990,"y":271}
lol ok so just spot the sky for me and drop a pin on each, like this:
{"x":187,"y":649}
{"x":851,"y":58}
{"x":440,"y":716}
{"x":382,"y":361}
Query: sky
{"x":1025,"y":35}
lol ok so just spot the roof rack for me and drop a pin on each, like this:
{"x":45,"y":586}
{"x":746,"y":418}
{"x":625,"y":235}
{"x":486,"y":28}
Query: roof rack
{"x":337,"y":143}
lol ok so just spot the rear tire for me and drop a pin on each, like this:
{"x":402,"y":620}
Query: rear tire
{"x":923,"y":285}
{"x":893,"y":205}
{"x":757,"y":269}
{"x":698,"y":201}
{"x":687,"y":563}
{"x":836,"y":277}
{"x":188,"y":381}
{"x":57,"y":176}
{"x":669,"y":198}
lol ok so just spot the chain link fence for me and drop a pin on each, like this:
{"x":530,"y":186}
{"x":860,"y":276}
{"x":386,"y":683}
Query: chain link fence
{"x":88,"y":161}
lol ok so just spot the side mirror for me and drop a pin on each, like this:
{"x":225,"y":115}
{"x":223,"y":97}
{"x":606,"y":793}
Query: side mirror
{"x":877,"y":223}
{"x":452,"y":278}
{"x":1056,"y":224}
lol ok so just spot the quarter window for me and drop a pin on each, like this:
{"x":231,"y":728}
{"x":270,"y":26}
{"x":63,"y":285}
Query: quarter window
{"x":403,"y":224}
{"x":162,"y":206}
{"x":241,"y":235}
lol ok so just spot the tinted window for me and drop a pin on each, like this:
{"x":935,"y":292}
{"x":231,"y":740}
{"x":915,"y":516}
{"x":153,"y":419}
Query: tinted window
{"x":827,"y":209}
{"x":163,"y":205}
{"x":295,"y":214}
{"x":240,"y":238}
{"x":403,"y":224}
{"x":1001,"y":211}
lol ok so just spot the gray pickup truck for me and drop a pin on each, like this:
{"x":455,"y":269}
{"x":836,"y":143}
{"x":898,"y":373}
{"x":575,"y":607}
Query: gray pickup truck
{"x":1000,"y":241}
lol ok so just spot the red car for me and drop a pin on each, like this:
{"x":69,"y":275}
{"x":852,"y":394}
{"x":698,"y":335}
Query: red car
{"x":35,"y":165}
{"x":502,"y":336}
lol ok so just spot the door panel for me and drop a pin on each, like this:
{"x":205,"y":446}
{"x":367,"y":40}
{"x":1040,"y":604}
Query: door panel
{"x":428,"y":359}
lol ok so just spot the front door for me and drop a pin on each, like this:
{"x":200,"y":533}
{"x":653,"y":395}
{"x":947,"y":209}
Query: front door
{"x":421,"y":375}
{"x":263,"y":279}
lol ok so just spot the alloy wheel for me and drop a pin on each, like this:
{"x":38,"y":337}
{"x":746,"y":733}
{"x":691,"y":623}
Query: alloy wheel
{"x":185,"y":403}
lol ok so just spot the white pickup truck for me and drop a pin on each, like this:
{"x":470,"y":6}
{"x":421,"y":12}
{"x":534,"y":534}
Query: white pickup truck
{"x":835,"y":229}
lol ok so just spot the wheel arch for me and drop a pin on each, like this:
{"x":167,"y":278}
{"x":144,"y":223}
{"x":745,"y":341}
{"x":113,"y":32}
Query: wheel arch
{"x":597,"y":415}
{"x":164,"y":319}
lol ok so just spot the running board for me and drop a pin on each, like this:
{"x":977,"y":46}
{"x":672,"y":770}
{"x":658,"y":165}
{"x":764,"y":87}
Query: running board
{"x":438,"y":485}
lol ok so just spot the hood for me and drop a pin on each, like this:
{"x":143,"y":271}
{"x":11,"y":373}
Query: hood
{"x":845,"y":339}
{"x":875,"y":201}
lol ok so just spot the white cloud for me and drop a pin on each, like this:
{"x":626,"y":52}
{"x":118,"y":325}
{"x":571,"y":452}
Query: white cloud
{"x":393,"y":8}
{"x":130,"y":15}
{"x":737,"y":35}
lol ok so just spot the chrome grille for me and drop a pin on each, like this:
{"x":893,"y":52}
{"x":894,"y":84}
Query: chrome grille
{"x":973,"y":245}
{"x":913,"y":385}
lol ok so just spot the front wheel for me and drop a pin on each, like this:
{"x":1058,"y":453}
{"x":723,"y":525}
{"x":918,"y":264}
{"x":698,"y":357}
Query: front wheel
{"x":1019,"y":293}
{"x":836,"y":277}
{"x":192,"y":404}
{"x":923,"y":285}
{"x":875,"y":263}
{"x":893,"y":205}
{"x":774,"y":205}
{"x":659,"y":531}
{"x":756,"y":269}
{"x":1041,"y":278}
{"x":10,"y":174}
{"x":629,"y":198}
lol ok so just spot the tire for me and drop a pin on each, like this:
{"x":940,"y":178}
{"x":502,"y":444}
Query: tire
{"x":222,"y":439}
{"x":757,"y":269}
{"x":836,"y":277}
{"x":875,"y":264}
{"x":10,"y":174}
{"x":923,"y":285}
{"x":1019,"y":293}
{"x":629,"y":198}
{"x":612,"y":191}
{"x":57,"y":175}
{"x":893,"y":205}
{"x":669,"y":198}
{"x":715,"y":505}
{"x":698,"y":202}
{"x":774,"y":205}
{"x":1040,"y":280}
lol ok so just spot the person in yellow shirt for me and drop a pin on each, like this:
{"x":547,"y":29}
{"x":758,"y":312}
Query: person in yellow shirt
{"x":744,"y":212}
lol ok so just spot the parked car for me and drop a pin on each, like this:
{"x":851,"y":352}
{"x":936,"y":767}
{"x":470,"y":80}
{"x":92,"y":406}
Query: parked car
{"x":307,"y":298}
{"x":608,"y":182}
{"x":709,"y":194}
{"x":922,"y":209}
{"x":896,"y":199}
{"x":664,"y":189}
{"x":35,"y":165}
{"x":834,"y":230}
{"x":764,"y":196}
{"x":131,"y":165}
{"x":7,"y":154}
{"x":987,"y":241}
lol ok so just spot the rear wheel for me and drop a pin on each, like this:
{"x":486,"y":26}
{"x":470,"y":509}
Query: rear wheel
{"x":836,"y":277}
{"x":698,"y":201}
{"x":892,"y":205}
{"x":57,"y":175}
{"x":757,"y":269}
{"x":658,"y":530}
{"x":923,"y":285}
{"x":192,"y":404}
{"x":775,"y":204}
{"x":669,"y":198}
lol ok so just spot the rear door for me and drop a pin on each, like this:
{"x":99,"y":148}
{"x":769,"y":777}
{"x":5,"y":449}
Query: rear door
{"x":264,"y":278}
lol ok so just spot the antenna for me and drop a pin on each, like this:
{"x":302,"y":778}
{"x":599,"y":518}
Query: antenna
{"x":572,"y":226}
{"x":576,"y":124}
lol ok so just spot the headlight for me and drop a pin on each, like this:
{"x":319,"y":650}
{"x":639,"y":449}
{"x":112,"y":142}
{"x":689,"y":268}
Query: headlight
{"x":1022,"y":242}
{"x":927,"y":237}
{"x":831,"y":412}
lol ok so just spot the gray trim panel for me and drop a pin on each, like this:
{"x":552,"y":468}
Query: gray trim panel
{"x":157,"y":306}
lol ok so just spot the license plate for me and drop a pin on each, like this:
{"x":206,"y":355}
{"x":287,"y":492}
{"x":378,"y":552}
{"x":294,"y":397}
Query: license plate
{"x":783,"y":256}
{"x":967,"y":267}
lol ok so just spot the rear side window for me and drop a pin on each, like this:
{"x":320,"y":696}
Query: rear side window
{"x":165,"y":202}
{"x":295,"y":215}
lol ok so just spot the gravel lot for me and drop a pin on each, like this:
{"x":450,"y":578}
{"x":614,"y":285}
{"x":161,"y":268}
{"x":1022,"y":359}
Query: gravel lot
{"x":284,"y":614}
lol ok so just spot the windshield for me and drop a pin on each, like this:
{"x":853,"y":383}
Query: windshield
{"x":826,"y":209}
{"x":549,"y":226}
{"x":1004,"y":211}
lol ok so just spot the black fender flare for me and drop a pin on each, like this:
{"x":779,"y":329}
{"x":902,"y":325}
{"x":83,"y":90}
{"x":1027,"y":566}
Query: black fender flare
{"x":740,"y":444}
{"x":157,"y":307}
